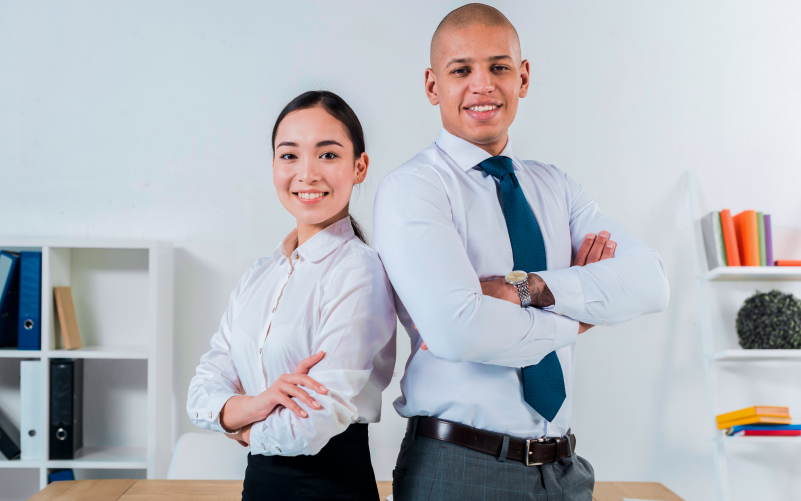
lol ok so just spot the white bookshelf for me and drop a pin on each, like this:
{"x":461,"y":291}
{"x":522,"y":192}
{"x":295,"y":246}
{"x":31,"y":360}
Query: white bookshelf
{"x":123,"y":294}
{"x":744,"y":278}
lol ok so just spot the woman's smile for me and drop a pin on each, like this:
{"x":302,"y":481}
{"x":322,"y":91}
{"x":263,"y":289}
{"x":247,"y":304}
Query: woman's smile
{"x":310,"y":197}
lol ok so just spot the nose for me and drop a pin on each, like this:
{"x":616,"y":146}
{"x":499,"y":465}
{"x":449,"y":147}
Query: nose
{"x":307,"y":170}
{"x":481,"y":81}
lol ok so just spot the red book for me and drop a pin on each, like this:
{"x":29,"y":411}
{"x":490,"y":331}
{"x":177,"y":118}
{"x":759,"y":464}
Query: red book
{"x":787,"y":262}
{"x":729,"y":238}
{"x":747,"y":230}
{"x":768,"y":433}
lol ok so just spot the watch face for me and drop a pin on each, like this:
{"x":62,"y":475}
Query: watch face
{"x":516,"y":276}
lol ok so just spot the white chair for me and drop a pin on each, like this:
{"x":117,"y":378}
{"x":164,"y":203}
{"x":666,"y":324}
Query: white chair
{"x":207,"y":456}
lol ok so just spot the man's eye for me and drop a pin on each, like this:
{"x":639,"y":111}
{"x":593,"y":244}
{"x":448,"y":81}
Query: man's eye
{"x":328,"y":155}
{"x":501,"y":68}
{"x":459,"y":71}
{"x":288,"y":156}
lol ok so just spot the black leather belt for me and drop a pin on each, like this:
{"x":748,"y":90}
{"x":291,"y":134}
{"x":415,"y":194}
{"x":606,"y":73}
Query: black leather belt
{"x":531,"y":452}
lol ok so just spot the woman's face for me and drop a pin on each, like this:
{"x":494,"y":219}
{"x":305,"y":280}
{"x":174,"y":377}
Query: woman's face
{"x":314,"y":168}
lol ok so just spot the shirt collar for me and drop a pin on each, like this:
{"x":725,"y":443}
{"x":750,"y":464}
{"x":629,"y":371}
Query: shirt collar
{"x":467,"y":155}
{"x":320,"y":245}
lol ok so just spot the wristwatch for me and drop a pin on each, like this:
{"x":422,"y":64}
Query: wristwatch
{"x":520,"y":280}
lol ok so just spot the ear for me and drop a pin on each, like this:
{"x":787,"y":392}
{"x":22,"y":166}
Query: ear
{"x":525,"y":77}
{"x":362,"y":163}
{"x":431,"y":87}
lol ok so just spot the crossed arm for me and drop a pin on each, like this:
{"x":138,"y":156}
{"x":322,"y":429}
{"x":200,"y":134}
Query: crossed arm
{"x":594,"y":248}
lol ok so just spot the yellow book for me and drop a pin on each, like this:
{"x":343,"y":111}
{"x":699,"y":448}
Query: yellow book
{"x":755,"y":420}
{"x":760,"y":410}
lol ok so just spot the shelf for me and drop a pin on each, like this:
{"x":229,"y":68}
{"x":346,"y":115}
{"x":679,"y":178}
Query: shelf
{"x":81,"y":243}
{"x":759,"y":440}
{"x":117,"y":458}
{"x":5,"y":463}
{"x":106,"y":352}
{"x":756,"y":355}
{"x":15,"y":353}
{"x":753,"y":273}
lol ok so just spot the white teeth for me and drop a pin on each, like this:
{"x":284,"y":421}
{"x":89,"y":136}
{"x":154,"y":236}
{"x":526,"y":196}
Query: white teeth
{"x":483,"y":108}
{"x":310,"y":196}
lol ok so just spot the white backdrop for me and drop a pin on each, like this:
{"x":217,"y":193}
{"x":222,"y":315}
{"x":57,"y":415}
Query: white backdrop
{"x":152,"y":120}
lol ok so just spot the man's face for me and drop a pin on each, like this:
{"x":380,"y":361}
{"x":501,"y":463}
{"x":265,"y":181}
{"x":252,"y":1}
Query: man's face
{"x":477,"y":81}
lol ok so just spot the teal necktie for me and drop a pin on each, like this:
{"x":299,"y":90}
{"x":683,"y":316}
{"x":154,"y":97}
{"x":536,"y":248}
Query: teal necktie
{"x":544,"y":383}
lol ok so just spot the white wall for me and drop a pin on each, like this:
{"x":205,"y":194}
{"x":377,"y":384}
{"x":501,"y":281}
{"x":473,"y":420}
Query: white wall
{"x":152,"y":120}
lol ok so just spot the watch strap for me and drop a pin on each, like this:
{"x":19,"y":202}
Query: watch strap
{"x":525,"y":294}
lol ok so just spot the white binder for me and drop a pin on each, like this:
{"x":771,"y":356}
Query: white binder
{"x":30,"y":422}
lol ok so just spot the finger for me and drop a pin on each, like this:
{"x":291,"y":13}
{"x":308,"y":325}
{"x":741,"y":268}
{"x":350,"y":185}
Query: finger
{"x":597,"y":247}
{"x":293,"y":406}
{"x":304,"y":380}
{"x":308,"y":363}
{"x":609,"y":250}
{"x":581,"y":255}
{"x":300,"y":394}
{"x":423,"y":346}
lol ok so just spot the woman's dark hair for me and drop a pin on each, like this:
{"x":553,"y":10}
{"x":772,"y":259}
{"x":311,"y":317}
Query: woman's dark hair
{"x":339,"y":109}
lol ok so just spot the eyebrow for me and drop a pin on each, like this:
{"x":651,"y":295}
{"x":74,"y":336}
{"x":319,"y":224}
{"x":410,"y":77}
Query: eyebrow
{"x":328,"y":142}
{"x":467,"y":60}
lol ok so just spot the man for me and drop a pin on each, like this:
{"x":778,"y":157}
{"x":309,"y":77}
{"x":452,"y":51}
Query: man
{"x":489,"y":400}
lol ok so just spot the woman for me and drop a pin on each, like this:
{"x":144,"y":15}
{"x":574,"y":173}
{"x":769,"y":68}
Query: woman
{"x":307,"y":343}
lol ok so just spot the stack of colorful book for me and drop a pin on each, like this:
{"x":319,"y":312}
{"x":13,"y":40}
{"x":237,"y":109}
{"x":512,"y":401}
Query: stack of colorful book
{"x":759,"y":421}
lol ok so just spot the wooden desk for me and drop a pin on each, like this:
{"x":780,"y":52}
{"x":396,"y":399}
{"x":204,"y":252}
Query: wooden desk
{"x":225,"y":490}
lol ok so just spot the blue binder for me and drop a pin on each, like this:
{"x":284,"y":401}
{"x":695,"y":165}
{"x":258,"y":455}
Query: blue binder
{"x":29,"y":330}
{"x":9,"y":298}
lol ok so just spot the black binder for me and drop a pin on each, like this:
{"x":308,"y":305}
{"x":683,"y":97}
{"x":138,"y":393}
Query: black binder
{"x":9,"y":438}
{"x":66,"y":407}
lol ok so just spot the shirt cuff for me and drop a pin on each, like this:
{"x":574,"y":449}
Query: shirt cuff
{"x":565,"y":331}
{"x":567,"y":290}
{"x":211,"y":413}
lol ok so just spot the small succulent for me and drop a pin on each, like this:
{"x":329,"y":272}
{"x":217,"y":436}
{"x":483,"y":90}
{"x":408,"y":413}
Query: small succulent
{"x":770,"y":320}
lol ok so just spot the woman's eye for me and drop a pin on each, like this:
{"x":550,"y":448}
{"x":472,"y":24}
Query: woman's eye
{"x":328,"y":156}
{"x":288,"y":156}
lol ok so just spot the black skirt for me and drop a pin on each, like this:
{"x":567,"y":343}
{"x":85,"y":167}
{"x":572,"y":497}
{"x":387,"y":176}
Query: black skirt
{"x":341,"y":470}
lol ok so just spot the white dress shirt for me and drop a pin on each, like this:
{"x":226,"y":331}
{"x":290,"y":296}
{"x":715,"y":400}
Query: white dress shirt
{"x":439,"y":228}
{"x":330,"y":294}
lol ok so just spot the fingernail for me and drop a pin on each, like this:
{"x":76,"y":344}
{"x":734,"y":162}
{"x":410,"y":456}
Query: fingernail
{"x":316,"y":405}
{"x":590,"y":236}
{"x":610,"y":244}
{"x":303,"y":413}
{"x":604,"y":234}
{"x":323,"y":388}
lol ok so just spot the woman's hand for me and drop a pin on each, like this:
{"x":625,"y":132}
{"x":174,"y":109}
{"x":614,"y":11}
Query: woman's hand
{"x":242,"y":436}
{"x":286,"y":387}
{"x":243,"y":410}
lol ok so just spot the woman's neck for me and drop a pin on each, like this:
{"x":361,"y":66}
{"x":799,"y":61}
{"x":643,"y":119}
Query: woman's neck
{"x":306,"y":230}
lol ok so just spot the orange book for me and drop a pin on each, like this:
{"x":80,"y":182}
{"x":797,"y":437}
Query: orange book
{"x":759,"y":410}
{"x":747,"y":230}
{"x":787,"y":262}
{"x":754,"y":420}
{"x":729,"y":238}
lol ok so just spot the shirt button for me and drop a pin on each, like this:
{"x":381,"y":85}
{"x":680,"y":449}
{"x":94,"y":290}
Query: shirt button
{"x":259,"y":351}
{"x":196,"y":414}
{"x":209,"y":415}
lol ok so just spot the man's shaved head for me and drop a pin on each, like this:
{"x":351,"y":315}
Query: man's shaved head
{"x":469,"y":15}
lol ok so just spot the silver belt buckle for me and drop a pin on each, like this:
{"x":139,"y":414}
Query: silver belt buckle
{"x":528,"y":450}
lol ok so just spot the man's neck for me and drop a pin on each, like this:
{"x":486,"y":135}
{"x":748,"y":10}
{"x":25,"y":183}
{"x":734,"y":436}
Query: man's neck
{"x":494,"y":147}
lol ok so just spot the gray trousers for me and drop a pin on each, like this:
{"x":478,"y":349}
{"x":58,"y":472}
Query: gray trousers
{"x":429,"y":469}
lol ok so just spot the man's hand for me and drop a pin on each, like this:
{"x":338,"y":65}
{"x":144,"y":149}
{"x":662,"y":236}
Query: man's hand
{"x":593,"y":249}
